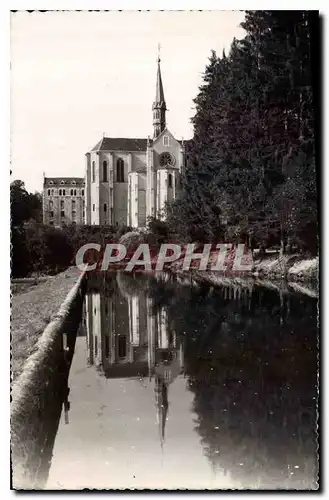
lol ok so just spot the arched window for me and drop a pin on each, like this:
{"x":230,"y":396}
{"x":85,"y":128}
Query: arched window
{"x":104,"y":171}
{"x":75,"y":192}
{"x":63,"y":192}
{"x":93,"y":171}
{"x":60,"y":192}
{"x":120,"y":170}
{"x":52,"y":192}
{"x":82,"y":192}
{"x":170,"y":180}
{"x":48,"y":192}
{"x":105,"y":207}
{"x":50,"y":205}
{"x":71,"y":192}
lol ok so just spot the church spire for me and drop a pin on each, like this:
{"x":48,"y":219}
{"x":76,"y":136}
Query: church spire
{"x":159,"y":105}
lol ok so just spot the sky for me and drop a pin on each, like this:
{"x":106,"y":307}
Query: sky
{"x":78,"y":75}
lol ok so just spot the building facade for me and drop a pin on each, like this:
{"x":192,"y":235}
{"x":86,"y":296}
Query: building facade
{"x":63,"y":200}
{"x":129,"y":180}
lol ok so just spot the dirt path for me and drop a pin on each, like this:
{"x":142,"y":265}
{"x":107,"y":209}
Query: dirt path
{"x":32,"y":309}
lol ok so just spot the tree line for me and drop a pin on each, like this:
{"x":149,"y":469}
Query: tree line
{"x":39,"y":249}
{"x":251,"y":165}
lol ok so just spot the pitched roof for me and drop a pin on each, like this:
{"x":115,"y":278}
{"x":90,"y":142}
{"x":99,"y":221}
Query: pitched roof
{"x":120,"y":144}
{"x":159,"y":94}
{"x":57,"y":181}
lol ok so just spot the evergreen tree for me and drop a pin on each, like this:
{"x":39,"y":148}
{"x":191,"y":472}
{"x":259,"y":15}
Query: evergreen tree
{"x":251,"y":164}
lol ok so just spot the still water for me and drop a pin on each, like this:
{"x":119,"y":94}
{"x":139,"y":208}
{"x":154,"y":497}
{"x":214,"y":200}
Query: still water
{"x":185,"y":387}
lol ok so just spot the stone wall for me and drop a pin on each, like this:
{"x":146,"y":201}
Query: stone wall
{"x":39,"y":393}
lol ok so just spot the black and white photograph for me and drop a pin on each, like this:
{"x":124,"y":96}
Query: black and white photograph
{"x":164,"y":250}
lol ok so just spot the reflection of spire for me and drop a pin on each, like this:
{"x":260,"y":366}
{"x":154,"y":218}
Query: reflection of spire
{"x":161,"y":398}
{"x":67,"y":406}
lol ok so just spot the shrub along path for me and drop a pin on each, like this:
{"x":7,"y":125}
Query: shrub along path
{"x":32,"y":310}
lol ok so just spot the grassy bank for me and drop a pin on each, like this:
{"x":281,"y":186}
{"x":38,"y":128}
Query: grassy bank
{"x":32,"y":309}
{"x":293,"y":272}
{"x":291,"y":267}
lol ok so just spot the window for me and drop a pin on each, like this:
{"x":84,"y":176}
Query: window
{"x":170,"y":180}
{"x":51,"y":183}
{"x":62,"y":204}
{"x":51,"y":213}
{"x":74,"y":214}
{"x":60,"y":192}
{"x":48,"y":192}
{"x":105,"y":207}
{"x":120,"y":170}
{"x":74,"y":183}
{"x":50,"y":205}
{"x":165,"y":140}
{"x":93,"y":172}
{"x":166,"y":159}
{"x":52,"y":192}
{"x":94,"y":207}
{"x":104,"y":171}
{"x":71,"y":192}
{"x":63,"y":192}
{"x":122,"y":346}
{"x":62,"y":213}
{"x":73,"y":204}
{"x":82,"y":192}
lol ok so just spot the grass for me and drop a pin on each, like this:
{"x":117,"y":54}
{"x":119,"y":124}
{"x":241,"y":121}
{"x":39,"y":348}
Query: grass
{"x":32,"y":308}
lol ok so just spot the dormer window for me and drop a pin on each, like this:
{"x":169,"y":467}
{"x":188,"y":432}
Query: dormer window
{"x":166,"y":140}
{"x":62,"y":183}
{"x":74,"y":183}
{"x":51,"y":183}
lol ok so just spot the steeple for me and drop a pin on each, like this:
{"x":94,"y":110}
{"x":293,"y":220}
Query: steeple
{"x":159,"y":105}
{"x":161,"y":398}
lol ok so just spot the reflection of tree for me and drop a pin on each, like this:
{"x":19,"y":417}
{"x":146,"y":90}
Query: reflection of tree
{"x":252,"y":368}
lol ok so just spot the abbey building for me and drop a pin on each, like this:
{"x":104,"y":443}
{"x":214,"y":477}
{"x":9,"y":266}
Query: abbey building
{"x":128,"y":180}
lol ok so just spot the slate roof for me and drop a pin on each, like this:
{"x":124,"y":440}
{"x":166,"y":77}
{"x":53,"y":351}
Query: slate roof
{"x":56,"y":181}
{"x":120,"y":144}
{"x":123,"y":144}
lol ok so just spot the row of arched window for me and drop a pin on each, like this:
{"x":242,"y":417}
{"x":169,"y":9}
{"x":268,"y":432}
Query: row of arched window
{"x":120,"y":171}
{"x":62,"y":192}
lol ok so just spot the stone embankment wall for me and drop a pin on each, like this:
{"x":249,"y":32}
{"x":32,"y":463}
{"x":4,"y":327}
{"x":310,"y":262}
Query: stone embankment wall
{"x":39,"y":393}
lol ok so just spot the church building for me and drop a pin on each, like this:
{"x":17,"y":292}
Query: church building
{"x":129,"y":179}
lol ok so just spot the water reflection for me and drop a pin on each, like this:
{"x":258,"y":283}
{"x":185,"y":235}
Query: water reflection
{"x":126,"y":337}
{"x":234,"y":367}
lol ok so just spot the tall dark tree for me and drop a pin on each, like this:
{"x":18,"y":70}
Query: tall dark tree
{"x":251,"y":165}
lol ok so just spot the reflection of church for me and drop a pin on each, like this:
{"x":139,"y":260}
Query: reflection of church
{"x":127,"y":338}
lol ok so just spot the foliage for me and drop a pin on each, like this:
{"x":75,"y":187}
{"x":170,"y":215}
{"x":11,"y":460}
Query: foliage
{"x":24,"y":205}
{"x":251,"y":164}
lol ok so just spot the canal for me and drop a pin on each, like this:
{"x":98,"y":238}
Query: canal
{"x":189,"y":387}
